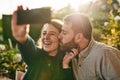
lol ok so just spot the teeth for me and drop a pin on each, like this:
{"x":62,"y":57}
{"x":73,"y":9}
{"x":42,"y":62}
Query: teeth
{"x":46,"y":42}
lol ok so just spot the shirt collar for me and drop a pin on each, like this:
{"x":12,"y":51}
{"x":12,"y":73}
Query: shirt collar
{"x":84,"y":53}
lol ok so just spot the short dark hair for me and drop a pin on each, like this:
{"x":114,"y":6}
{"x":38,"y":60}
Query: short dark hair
{"x":80,"y":23}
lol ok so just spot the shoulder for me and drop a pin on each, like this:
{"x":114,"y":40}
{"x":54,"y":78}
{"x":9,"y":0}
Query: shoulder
{"x":98,"y":46}
{"x":100,"y":50}
{"x":40,"y":51}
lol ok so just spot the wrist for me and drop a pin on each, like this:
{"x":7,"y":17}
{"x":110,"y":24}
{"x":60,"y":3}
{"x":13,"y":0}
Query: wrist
{"x":65,"y":66}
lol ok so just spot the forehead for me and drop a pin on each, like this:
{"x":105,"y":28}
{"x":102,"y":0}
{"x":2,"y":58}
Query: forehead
{"x":49,"y":27}
{"x":67,"y":26}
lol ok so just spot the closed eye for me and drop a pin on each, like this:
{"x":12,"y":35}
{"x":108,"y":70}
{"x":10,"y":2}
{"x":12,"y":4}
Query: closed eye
{"x":64,"y":32}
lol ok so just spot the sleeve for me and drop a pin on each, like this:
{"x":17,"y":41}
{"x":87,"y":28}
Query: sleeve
{"x":68,"y":74}
{"x":28,"y":51}
{"x":111,"y":64}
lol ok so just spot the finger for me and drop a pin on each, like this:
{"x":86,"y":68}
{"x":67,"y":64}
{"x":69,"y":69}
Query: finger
{"x":13,"y":22}
{"x":20,"y":7}
{"x":27,"y":8}
{"x":75,"y":51}
{"x":71,"y":55}
{"x":65,"y":55}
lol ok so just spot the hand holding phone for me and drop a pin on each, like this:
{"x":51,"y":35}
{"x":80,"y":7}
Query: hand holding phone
{"x":34,"y":16}
{"x":20,"y":32}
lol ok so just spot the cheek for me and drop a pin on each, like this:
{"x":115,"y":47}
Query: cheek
{"x":55,"y":40}
{"x":67,"y":39}
{"x":42,"y":40}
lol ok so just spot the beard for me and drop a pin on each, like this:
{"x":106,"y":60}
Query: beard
{"x":68,"y":46}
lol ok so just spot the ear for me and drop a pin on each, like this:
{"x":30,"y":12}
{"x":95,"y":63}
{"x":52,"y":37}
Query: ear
{"x":78,"y":37}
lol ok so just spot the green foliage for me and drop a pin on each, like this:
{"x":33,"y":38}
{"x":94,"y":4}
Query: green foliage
{"x":6,"y":25}
{"x":59,"y":14}
{"x":10,"y":60}
{"x":107,"y":12}
{"x":0,"y":27}
{"x":111,"y":31}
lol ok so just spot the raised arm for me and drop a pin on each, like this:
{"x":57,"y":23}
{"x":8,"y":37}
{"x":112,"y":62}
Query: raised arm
{"x":20,"y":32}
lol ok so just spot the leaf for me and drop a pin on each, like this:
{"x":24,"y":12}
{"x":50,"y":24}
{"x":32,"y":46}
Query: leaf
{"x":109,"y":1}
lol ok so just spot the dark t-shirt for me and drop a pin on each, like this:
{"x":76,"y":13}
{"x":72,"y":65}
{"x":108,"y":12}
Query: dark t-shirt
{"x":41,"y":66}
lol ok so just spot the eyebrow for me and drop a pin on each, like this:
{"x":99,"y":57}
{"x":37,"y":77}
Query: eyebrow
{"x":50,"y":31}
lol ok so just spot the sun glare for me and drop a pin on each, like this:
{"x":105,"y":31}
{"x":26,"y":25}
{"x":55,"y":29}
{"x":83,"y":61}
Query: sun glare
{"x":8,"y":6}
{"x":56,"y":4}
{"x":76,"y":3}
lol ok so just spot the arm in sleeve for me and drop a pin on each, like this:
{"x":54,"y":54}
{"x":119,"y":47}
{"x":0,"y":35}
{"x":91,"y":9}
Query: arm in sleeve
{"x":68,"y":74}
{"x":28,"y":50}
{"x":111,"y":64}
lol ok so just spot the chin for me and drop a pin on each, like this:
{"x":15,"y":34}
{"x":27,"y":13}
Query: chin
{"x":68,"y":46}
{"x":45,"y":49}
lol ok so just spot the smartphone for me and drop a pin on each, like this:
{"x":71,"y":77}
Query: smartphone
{"x":34,"y":16}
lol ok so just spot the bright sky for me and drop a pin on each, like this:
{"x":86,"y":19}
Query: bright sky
{"x":8,"y":6}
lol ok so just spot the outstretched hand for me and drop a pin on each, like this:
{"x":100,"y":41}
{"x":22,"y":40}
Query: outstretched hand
{"x":68,"y":57}
{"x":20,"y":32}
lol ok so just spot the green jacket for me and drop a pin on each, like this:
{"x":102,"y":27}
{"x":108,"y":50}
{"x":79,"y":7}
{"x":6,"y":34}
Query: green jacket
{"x":41,"y":66}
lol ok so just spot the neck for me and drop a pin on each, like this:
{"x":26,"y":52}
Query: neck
{"x":52,"y":53}
{"x":83,"y":44}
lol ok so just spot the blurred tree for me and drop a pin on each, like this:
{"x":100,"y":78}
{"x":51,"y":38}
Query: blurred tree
{"x":59,"y":14}
{"x":6,"y":26}
{"x":107,"y":13}
{"x":0,"y":26}
{"x":111,"y":31}
{"x":1,"y":36}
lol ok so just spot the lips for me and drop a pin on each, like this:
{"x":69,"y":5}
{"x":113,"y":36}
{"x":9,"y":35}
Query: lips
{"x":47,"y":42}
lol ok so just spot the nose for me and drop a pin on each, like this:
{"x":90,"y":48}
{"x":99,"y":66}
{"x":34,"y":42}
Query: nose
{"x":47,"y":36}
{"x":60,"y":36}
